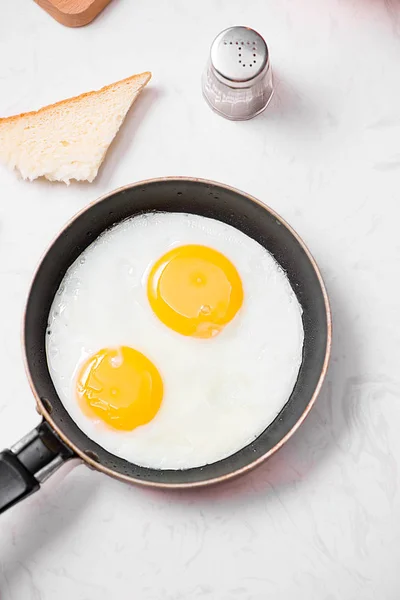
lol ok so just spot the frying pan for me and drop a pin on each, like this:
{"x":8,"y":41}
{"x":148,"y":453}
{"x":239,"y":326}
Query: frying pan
{"x":57,"y":438}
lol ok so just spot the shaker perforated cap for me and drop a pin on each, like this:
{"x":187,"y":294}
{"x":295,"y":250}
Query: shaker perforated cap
{"x":238,"y":55}
{"x":237,"y":81}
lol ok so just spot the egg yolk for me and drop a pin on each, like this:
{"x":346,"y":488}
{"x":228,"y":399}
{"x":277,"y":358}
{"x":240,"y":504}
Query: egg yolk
{"x":121,"y":387}
{"x":195,"y":290}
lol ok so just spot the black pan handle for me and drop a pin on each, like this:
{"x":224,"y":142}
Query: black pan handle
{"x":30,"y":462}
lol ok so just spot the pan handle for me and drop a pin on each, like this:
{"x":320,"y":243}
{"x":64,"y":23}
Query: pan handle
{"x":30,"y":462}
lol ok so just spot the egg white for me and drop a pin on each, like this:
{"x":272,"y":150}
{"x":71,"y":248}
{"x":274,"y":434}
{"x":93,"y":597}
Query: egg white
{"x":219,"y":393}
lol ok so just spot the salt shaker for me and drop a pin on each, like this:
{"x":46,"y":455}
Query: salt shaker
{"x":237,"y":82}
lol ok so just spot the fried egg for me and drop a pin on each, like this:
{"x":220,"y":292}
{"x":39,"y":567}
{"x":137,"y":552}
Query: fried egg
{"x":174,"y":340}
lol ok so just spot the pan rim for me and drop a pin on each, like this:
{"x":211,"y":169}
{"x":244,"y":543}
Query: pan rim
{"x":87,"y":459}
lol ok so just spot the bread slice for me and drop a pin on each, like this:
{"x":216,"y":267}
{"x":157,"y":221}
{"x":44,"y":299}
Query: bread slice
{"x":69,"y":139}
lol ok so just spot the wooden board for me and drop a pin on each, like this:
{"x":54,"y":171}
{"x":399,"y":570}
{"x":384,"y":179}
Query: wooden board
{"x":73,"y":13}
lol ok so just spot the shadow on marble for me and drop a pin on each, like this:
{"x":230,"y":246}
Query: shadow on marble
{"x":126,"y":135}
{"x":33,"y":526}
{"x":291,"y":107}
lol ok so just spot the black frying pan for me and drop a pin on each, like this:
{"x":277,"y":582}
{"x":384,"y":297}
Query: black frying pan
{"x":58,"y":438}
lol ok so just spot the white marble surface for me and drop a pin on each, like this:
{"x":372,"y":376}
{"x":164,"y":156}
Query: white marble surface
{"x":321,"y":520}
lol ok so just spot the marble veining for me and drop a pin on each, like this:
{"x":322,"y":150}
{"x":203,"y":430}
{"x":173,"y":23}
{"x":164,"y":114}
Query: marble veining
{"x":321,"y":519}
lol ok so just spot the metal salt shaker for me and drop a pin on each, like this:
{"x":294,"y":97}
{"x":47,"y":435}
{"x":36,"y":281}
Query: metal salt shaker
{"x":237,"y":82}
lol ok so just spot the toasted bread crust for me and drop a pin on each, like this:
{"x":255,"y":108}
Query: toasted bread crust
{"x":74,"y":99}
